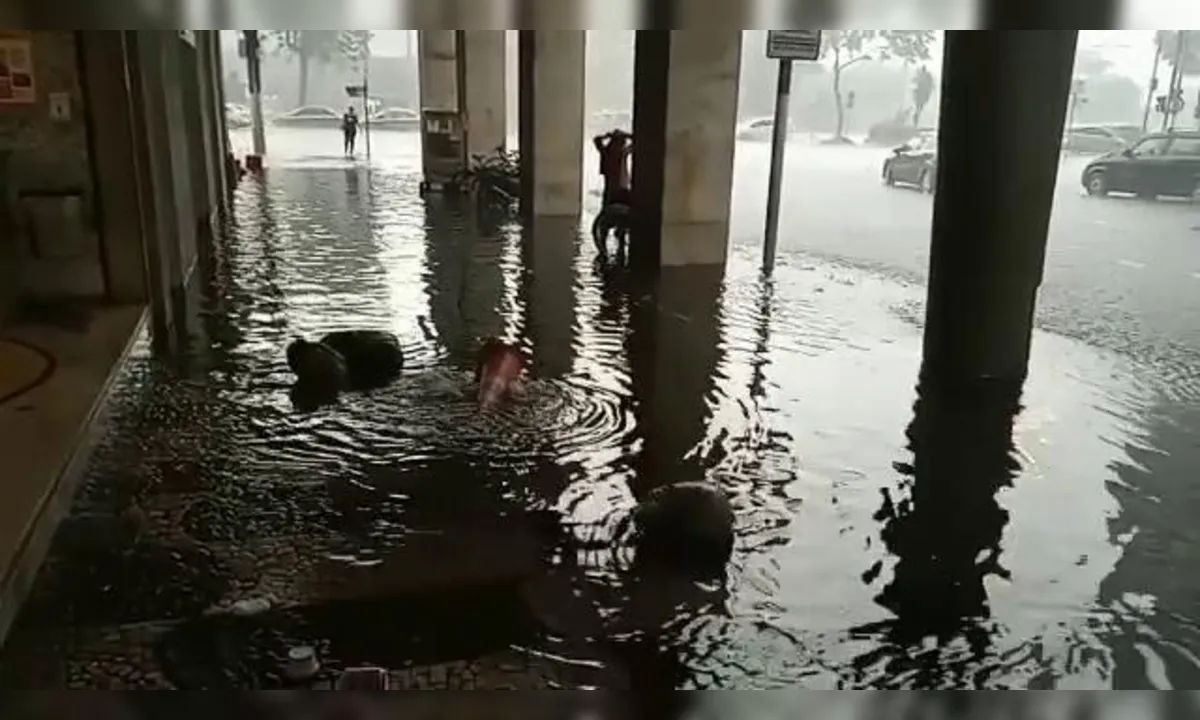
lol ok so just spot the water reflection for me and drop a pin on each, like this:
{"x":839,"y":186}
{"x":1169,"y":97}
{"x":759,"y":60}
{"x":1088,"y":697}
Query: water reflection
{"x":464,"y":277}
{"x":791,"y":396}
{"x":548,"y":258}
{"x":945,"y":532}
{"x":674,"y":348}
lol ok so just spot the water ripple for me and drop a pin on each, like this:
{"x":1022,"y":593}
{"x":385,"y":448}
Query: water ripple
{"x":793,"y":395}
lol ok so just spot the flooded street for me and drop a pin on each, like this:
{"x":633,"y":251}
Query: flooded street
{"x":886,"y":538}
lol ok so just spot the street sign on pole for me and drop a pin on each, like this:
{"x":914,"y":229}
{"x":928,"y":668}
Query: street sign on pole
{"x":784,"y":46}
{"x":794,"y":44}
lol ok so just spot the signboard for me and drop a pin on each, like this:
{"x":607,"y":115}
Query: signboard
{"x":794,"y":44}
{"x":356,"y":90}
{"x":16,"y":70}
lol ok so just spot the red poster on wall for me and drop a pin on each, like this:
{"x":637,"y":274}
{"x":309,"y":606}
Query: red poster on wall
{"x":16,"y":69}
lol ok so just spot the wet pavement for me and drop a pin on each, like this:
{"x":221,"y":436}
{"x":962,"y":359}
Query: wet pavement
{"x":974,"y":539}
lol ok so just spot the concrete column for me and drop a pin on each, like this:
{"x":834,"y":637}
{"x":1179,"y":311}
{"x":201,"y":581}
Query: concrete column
{"x":1001,"y":91}
{"x":218,"y":79}
{"x":438,"y":75}
{"x":155,"y":250}
{"x":163,"y":181}
{"x":214,"y":157}
{"x":182,"y":114}
{"x":437,"y":69}
{"x":551,"y":69}
{"x":484,"y":88}
{"x":684,"y":121}
{"x":196,"y":132}
{"x":109,"y":113}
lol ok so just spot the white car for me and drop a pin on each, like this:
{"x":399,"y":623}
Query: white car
{"x":760,"y":129}
{"x":237,"y":116}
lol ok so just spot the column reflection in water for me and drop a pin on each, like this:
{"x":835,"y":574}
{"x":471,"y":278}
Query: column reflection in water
{"x":946,"y":533}
{"x":548,"y":250}
{"x":674,"y":349}
{"x":464,"y":277}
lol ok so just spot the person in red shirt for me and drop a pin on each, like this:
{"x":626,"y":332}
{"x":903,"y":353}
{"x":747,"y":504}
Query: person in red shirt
{"x":615,"y":148}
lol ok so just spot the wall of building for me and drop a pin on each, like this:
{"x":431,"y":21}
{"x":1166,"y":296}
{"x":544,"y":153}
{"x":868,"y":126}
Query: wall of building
{"x":47,"y":154}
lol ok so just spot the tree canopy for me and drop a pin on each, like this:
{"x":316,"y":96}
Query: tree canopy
{"x":1168,"y":47}
{"x":322,"y":45}
{"x":850,"y":46}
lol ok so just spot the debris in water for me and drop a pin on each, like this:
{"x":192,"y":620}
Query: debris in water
{"x":301,"y":663}
{"x":364,"y":678}
{"x":251,"y":606}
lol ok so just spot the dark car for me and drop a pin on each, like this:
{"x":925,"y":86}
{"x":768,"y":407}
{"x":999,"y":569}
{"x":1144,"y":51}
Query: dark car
{"x":914,"y":163}
{"x":1158,"y":164}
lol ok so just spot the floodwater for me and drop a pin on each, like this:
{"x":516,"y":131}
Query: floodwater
{"x":886,"y":538}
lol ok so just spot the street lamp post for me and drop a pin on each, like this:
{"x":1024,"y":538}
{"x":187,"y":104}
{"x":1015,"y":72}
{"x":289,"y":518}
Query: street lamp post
{"x":366,"y":104}
{"x":1153,"y":80}
{"x":1077,"y":99}
{"x":254,"y":82}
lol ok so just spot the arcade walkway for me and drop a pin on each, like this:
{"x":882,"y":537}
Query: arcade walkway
{"x":888,"y":536}
{"x":395,"y":529}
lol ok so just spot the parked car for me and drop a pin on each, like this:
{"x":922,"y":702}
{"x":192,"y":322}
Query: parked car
{"x":1087,"y":139}
{"x":914,"y":163}
{"x":237,"y":116}
{"x":396,"y":118}
{"x":1158,"y":164}
{"x":760,"y":129}
{"x":891,"y":132}
{"x":310,"y":116}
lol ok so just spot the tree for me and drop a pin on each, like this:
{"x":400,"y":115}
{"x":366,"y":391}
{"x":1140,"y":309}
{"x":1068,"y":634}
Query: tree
{"x":922,"y":90}
{"x":848,"y":47}
{"x":1090,"y":62}
{"x":320,"y":45}
{"x":1168,"y":47}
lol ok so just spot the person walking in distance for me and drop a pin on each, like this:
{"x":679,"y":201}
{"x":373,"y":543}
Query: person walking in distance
{"x":349,"y":130}
{"x":615,"y":148}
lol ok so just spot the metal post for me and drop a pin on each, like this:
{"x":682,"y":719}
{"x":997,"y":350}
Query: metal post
{"x":366,"y":110}
{"x":1072,"y":106}
{"x":783,"y":93}
{"x":1168,"y":119}
{"x":1177,"y":88}
{"x":254,"y":80}
{"x":1153,"y":81}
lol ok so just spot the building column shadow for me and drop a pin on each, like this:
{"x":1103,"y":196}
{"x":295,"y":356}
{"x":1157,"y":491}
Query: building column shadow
{"x":548,"y":250}
{"x":945,"y":531}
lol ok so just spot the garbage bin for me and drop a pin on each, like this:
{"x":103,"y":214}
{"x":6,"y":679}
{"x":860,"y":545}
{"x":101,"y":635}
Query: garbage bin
{"x":443,"y":151}
{"x":60,"y":254}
